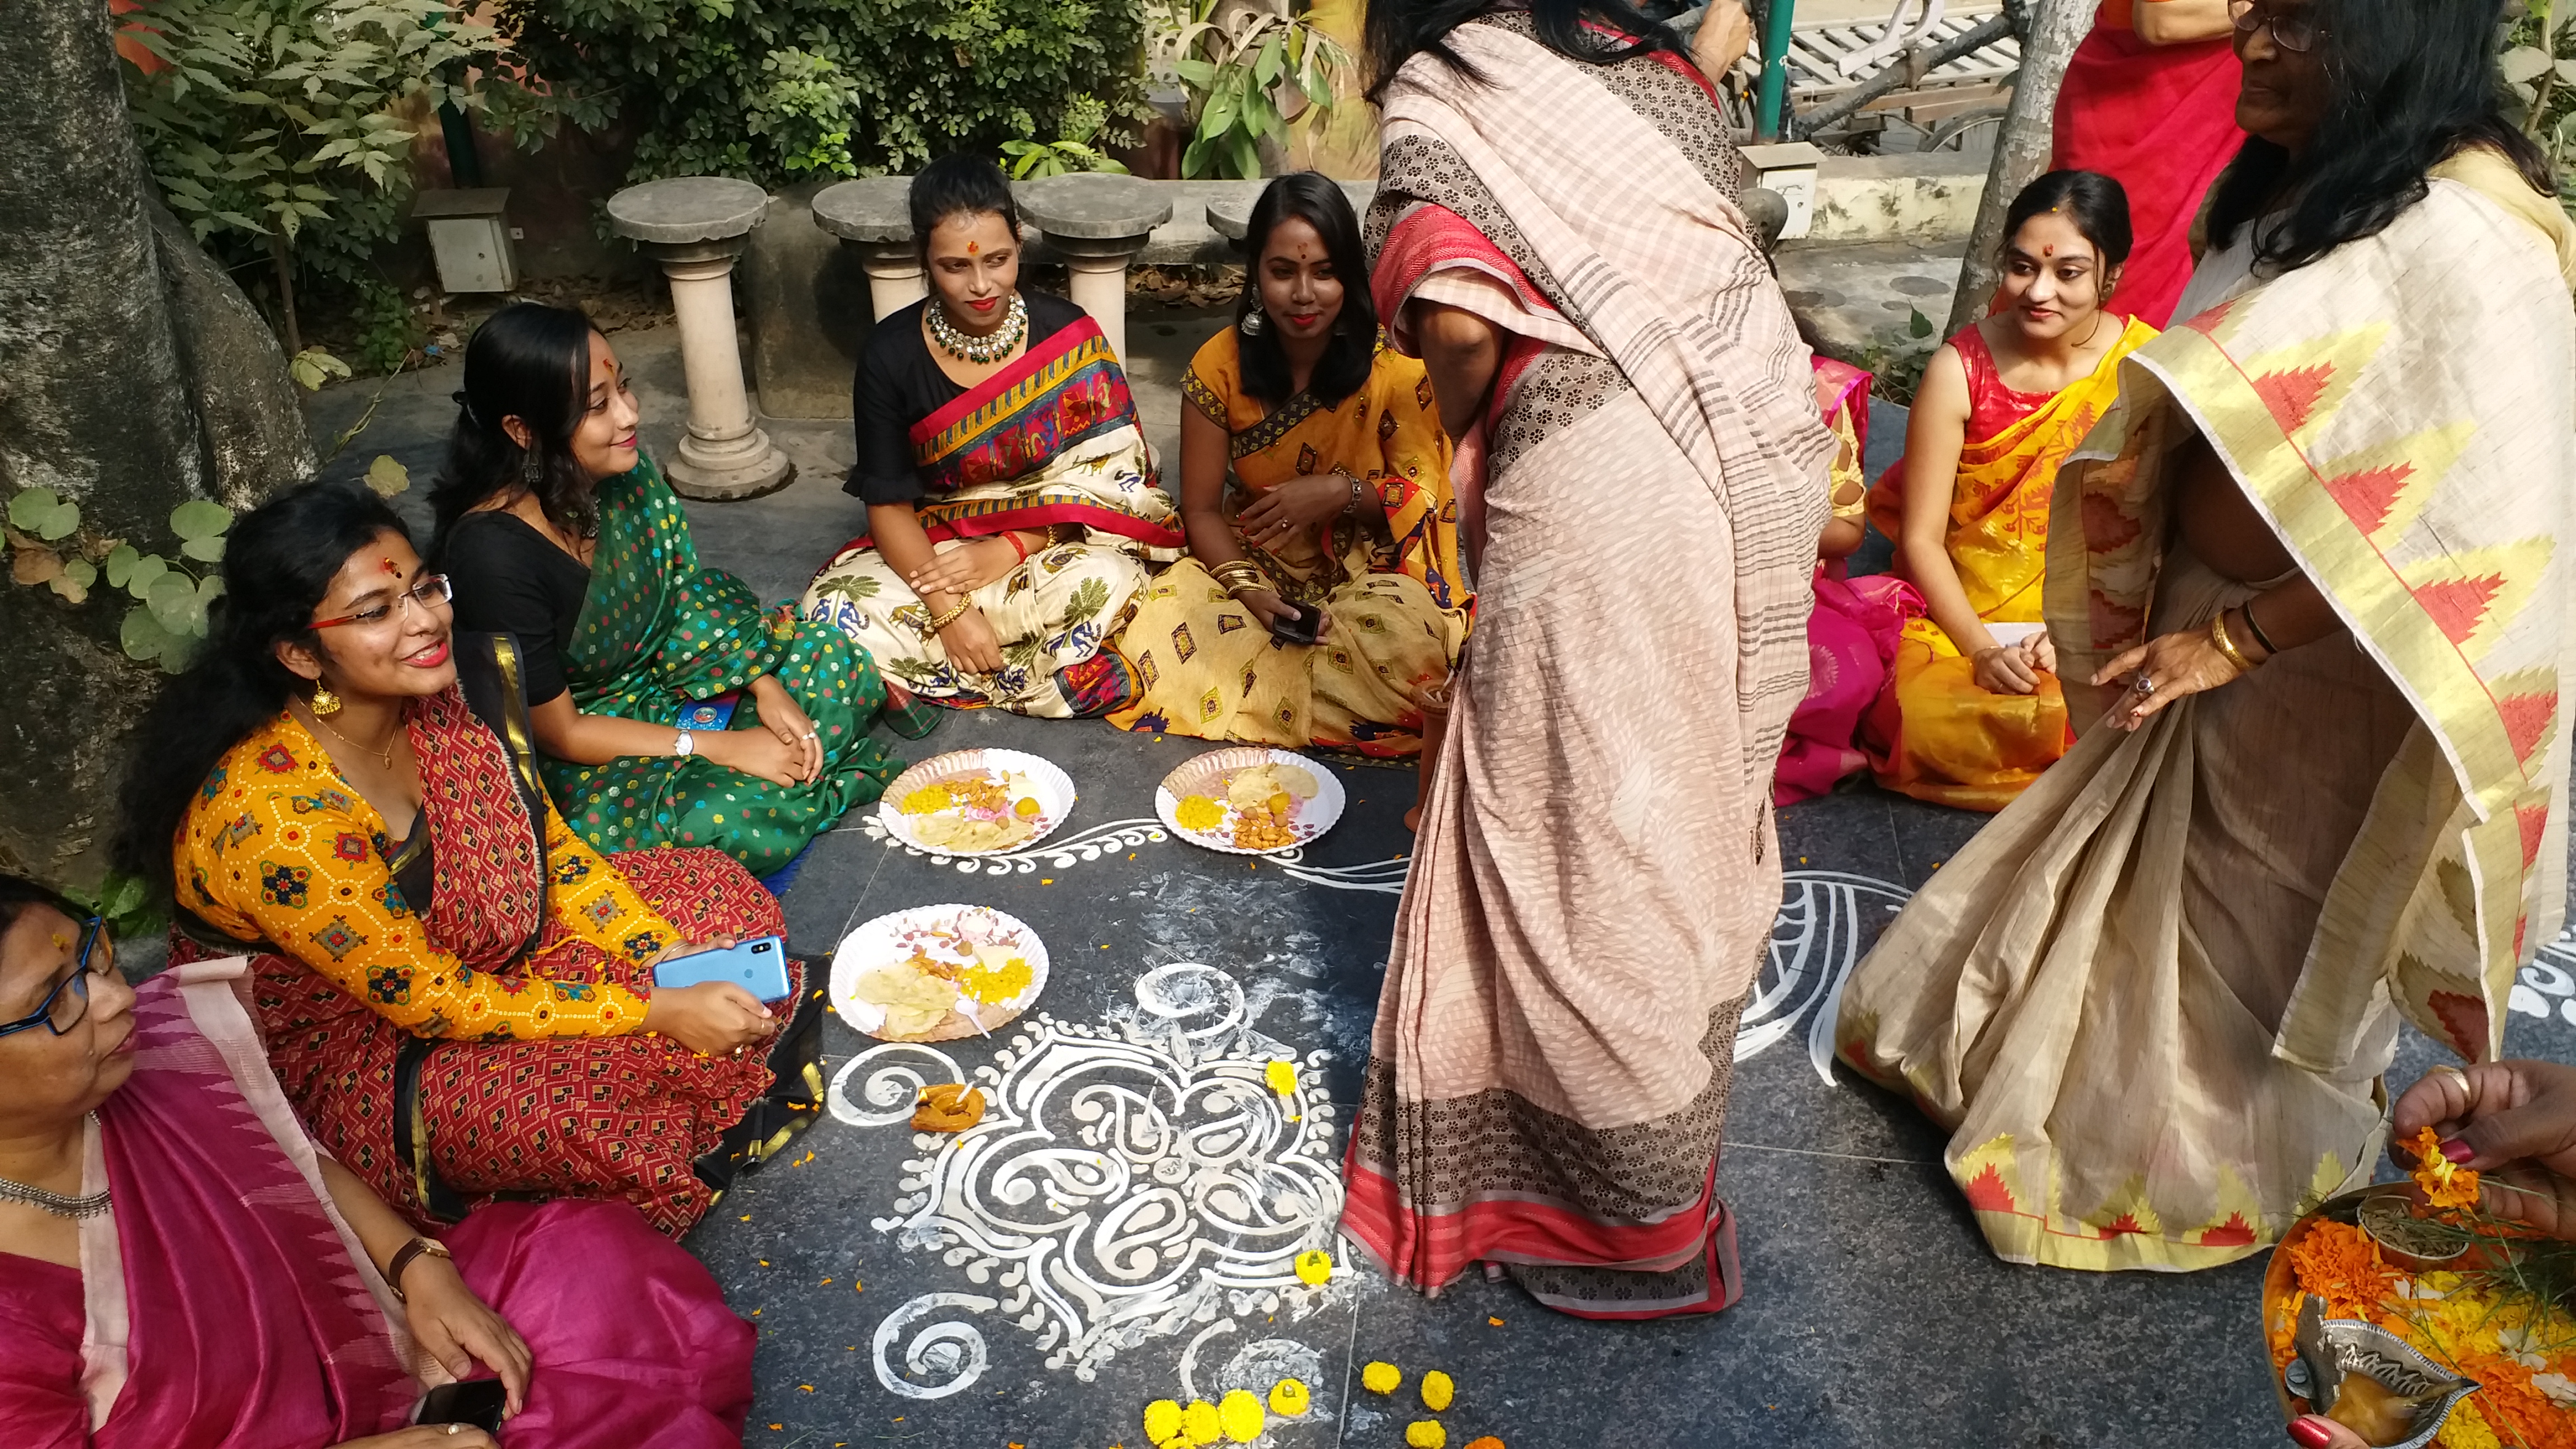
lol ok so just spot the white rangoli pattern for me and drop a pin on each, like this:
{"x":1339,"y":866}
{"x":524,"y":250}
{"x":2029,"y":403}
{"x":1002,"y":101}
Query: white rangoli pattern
{"x":1127,"y":1181}
{"x":2546,"y":988}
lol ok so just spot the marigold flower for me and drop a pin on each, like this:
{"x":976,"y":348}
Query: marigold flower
{"x":1289,"y":1399}
{"x":2446,"y":1184}
{"x":1426,"y":1434}
{"x":1239,"y":1414}
{"x":1487,"y":1442}
{"x":2340,"y":1264}
{"x":1162,"y":1421}
{"x":1381,"y":1378}
{"x":1200,"y":1424}
{"x":1437,"y":1390}
{"x":1282,"y":1077}
{"x":1315,"y":1267}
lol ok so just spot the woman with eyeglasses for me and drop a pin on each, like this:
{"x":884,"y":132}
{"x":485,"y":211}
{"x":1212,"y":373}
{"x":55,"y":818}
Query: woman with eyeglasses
{"x":180,"y":1264}
{"x":562,"y":534}
{"x":319,"y":792}
{"x":2309,"y":589}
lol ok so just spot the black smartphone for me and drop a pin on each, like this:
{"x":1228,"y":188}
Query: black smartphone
{"x":476,"y":1403}
{"x":1306,"y":628}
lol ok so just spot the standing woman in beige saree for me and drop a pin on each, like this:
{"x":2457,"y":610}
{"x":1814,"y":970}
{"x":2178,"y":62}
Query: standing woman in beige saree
{"x":2309,"y":562}
{"x":1597,"y":872}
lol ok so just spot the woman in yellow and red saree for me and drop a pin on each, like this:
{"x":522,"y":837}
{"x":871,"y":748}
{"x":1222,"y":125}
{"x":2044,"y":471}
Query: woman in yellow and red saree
{"x":1597,"y":871}
{"x":2309,"y":597}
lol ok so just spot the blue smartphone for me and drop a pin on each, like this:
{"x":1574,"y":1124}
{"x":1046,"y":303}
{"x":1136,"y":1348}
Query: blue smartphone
{"x":758,"y":966}
{"x":710,"y":714}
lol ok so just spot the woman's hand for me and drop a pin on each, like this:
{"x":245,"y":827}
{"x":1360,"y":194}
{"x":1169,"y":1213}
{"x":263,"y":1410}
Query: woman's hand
{"x":972,"y":646}
{"x":426,"y":1436}
{"x":2040,"y":652}
{"x":961,"y":571}
{"x":1306,"y":502}
{"x":2006,"y":669}
{"x":2514,"y":1122}
{"x":460,"y":1330}
{"x":2175,"y":665}
{"x":1725,"y":34}
{"x":758,"y":753}
{"x":782,"y":716}
{"x":712,"y":1018}
{"x":1269,"y":608}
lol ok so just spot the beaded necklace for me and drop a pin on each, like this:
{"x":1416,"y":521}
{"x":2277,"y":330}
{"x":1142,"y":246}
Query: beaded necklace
{"x":993,"y":346}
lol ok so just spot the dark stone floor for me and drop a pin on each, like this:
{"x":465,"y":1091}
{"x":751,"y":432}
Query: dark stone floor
{"x":1022,"y":1295}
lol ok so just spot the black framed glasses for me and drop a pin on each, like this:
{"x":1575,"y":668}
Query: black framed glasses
{"x":2295,"y":32}
{"x":65,"y":1005}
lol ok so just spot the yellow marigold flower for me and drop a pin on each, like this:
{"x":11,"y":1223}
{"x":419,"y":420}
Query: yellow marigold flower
{"x":1239,"y":1414}
{"x":1162,"y":1421}
{"x":1288,"y":1399}
{"x":1426,"y":1434}
{"x":1282,"y":1077}
{"x":1200,"y":1424}
{"x":1381,"y":1378}
{"x":1314,"y":1266}
{"x":1486,"y":1442}
{"x":2446,"y":1184}
{"x":1437,"y":1390}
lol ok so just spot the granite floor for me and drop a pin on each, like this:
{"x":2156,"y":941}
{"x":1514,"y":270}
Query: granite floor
{"x":1026,"y":1287}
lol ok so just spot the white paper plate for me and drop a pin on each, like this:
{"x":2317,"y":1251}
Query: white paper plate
{"x":891,"y":939}
{"x":1047,"y":781}
{"x":1205,"y":775}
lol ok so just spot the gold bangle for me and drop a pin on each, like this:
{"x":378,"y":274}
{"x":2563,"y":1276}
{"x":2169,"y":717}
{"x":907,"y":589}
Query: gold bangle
{"x":2227,"y":646}
{"x":944,"y":620}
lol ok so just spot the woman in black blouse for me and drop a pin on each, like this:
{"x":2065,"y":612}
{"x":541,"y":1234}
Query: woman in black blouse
{"x":1012,"y":504}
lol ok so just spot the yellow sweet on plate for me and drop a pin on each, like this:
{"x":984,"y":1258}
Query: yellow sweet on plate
{"x":1239,"y":1414}
{"x":1314,"y":1267}
{"x":1162,"y":1421}
{"x":1028,"y":808}
{"x":1381,"y":1378}
{"x":1288,"y":1399}
{"x":1198,"y":812}
{"x":998,"y":975}
{"x":1426,"y":1434}
{"x":1437,"y":1390}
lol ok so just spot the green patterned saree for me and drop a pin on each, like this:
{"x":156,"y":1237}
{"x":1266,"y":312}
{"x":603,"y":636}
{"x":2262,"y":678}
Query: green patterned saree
{"x":658,"y":629}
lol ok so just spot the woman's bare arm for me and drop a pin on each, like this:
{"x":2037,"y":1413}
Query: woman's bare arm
{"x":2180,"y":22}
{"x":1462,"y":351}
{"x":1935,"y":433}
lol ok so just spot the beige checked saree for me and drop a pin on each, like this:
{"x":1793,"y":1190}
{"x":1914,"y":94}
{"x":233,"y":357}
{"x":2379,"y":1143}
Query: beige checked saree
{"x":2152,"y":1001}
{"x":1596,"y":875}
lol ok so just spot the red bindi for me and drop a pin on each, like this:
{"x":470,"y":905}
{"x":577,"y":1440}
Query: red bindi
{"x":2048,"y":251}
{"x":390,"y":566}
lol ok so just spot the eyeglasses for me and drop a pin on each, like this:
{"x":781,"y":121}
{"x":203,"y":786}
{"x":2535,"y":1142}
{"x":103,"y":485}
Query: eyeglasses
{"x":2295,"y":32}
{"x":65,"y":1005}
{"x":431,"y":592}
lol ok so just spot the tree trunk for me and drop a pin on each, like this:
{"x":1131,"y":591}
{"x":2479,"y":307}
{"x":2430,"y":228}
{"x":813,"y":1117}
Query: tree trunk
{"x":2053,"y":30}
{"x":93,"y":404}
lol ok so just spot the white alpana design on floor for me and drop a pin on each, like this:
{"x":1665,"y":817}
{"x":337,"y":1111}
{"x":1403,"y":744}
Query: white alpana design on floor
{"x":1827,"y":919}
{"x":1128,"y":1181}
{"x":2547,"y":987}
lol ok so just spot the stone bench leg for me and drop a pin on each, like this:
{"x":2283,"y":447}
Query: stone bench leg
{"x":895,"y":280}
{"x":1096,"y":275}
{"x":722,"y":456}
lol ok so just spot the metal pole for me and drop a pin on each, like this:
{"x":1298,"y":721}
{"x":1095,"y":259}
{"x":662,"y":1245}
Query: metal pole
{"x":1777,"y":17}
{"x":462,"y":164}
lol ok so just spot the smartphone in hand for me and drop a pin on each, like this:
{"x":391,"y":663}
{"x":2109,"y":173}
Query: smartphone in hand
{"x":758,"y":966}
{"x":1305,"y":628}
{"x":476,"y":1403}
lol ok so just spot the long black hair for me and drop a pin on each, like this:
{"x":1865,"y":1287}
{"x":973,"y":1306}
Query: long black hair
{"x":1398,"y":30}
{"x":532,"y":362}
{"x":278,"y":564}
{"x":2412,"y":82}
{"x":1349,"y":352}
{"x":961,"y":183}
{"x":2098,"y":205}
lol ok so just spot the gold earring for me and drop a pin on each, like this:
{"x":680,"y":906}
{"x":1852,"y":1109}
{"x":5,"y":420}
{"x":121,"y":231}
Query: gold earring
{"x":324,"y":701}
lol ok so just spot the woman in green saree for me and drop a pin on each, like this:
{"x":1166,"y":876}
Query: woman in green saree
{"x":671,"y":707}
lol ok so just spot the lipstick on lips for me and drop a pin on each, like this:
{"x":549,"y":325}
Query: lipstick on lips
{"x":429,"y":658}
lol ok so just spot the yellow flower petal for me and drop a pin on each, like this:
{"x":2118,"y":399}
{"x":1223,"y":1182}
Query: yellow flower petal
{"x":1282,"y":1077}
{"x":1239,"y":1414}
{"x":1437,"y":1390}
{"x":1288,"y":1399}
{"x":1426,"y":1434}
{"x":1162,"y":1420}
{"x":1381,"y":1378}
{"x":1314,"y":1266}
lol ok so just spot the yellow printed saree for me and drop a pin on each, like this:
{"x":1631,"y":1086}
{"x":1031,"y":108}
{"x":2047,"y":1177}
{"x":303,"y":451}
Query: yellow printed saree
{"x":1936,"y":734}
{"x":1389,"y":581}
{"x":2151,"y":1001}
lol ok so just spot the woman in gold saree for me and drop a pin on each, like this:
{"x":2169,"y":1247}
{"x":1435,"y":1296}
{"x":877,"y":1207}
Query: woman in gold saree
{"x":1313,"y":473}
{"x":1973,"y":711}
{"x":2308,"y":593}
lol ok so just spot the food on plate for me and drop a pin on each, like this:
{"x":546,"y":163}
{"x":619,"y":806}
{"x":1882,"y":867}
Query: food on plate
{"x":1198,"y":812}
{"x":1267,"y":826}
{"x":912,"y":999}
{"x":947,"y":1107}
{"x":974,"y":812}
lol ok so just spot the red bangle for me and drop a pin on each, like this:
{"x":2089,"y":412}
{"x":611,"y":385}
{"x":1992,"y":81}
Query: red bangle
{"x":1017,"y":547}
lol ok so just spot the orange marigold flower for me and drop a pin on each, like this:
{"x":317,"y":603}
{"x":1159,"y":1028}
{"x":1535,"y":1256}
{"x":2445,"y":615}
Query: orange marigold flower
{"x":2446,"y":1184}
{"x":2341,"y":1264}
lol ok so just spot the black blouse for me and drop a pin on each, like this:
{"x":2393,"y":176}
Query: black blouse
{"x":511,"y":579}
{"x":898,"y":384}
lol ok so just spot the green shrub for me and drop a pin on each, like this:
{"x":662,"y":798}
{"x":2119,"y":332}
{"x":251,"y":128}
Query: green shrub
{"x":775,"y":90}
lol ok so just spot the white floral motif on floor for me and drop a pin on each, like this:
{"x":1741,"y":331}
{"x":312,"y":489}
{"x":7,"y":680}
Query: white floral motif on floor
{"x":1127,"y":1181}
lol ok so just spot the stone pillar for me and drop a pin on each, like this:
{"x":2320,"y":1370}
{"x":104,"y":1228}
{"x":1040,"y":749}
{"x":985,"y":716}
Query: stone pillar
{"x":873,"y":217}
{"x":694,"y":227}
{"x":1097,"y":222}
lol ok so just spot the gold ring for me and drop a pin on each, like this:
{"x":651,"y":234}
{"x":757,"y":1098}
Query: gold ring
{"x":2445,"y":1069}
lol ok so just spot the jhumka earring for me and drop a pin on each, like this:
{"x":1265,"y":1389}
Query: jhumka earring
{"x":1253,"y":322}
{"x":535,"y":471}
{"x":324,"y":701}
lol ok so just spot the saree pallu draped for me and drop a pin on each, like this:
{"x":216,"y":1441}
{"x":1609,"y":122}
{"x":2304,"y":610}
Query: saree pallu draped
{"x":1389,"y":581}
{"x":658,"y":630}
{"x":2151,"y":1000}
{"x":2161,"y":120}
{"x":222,"y":1302}
{"x":494,"y":964}
{"x":1049,"y":442}
{"x":1597,"y":872}
{"x":1936,"y":734}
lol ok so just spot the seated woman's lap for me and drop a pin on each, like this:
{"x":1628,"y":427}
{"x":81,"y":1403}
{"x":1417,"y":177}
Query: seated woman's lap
{"x":1059,"y":607}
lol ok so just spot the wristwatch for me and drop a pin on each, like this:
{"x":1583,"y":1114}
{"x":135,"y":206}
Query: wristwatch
{"x":416,"y":1248}
{"x":685,"y":746}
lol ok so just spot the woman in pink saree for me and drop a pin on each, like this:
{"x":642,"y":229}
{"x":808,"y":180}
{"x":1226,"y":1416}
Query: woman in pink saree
{"x":180,"y":1267}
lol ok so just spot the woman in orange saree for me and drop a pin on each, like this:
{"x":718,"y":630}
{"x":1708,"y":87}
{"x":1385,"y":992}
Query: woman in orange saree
{"x":1973,"y":711}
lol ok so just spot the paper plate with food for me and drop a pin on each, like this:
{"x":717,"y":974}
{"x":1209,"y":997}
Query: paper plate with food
{"x":976,"y":802}
{"x":1249,"y":800}
{"x":937,"y":973}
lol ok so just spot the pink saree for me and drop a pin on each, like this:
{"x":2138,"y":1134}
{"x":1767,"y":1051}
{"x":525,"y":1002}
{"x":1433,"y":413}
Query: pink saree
{"x":223,"y":1304}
